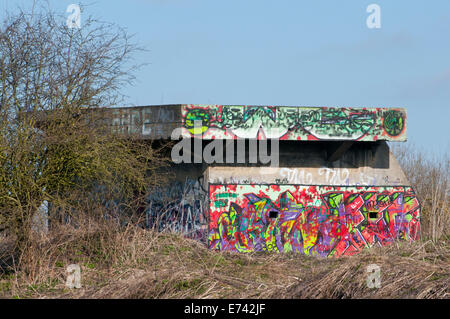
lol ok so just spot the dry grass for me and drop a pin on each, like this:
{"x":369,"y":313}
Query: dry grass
{"x":135,"y":263}
{"x":430,"y":176}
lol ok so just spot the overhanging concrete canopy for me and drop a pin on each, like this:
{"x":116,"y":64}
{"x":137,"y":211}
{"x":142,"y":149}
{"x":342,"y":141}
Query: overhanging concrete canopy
{"x":262,"y":122}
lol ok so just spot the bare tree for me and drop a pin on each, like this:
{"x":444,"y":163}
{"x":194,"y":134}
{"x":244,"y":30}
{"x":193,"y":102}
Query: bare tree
{"x":51,"y":146}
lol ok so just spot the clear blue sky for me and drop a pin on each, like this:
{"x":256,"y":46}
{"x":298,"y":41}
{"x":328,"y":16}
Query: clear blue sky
{"x":313,"y":53}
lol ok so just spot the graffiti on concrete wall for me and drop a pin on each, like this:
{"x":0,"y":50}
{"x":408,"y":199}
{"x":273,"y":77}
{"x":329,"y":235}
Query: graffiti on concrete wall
{"x":179,"y":208}
{"x":325,"y":176}
{"x":144,"y":121}
{"x":313,"y":220}
{"x":263,"y":122}
{"x":294,"y":123}
{"x":296,"y":176}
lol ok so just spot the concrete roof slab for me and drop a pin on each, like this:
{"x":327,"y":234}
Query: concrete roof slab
{"x":262,"y":122}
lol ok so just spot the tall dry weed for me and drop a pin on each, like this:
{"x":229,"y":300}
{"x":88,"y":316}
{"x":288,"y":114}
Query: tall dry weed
{"x":429,"y":174}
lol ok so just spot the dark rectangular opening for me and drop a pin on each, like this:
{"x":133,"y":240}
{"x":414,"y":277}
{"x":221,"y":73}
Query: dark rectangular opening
{"x":373,"y":215}
{"x":273,"y":214}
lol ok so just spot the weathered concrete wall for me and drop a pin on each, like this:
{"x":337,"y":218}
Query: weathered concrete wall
{"x":336,"y":190}
{"x":148,"y":122}
{"x":180,"y":207}
{"x":246,"y":121}
{"x":376,"y":170}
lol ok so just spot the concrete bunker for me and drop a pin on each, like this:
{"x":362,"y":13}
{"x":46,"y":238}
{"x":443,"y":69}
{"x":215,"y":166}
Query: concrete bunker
{"x":336,"y":187}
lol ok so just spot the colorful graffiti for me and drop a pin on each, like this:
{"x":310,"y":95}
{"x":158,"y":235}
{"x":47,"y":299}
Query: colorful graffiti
{"x":294,"y":123}
{"x":313,"y":220}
